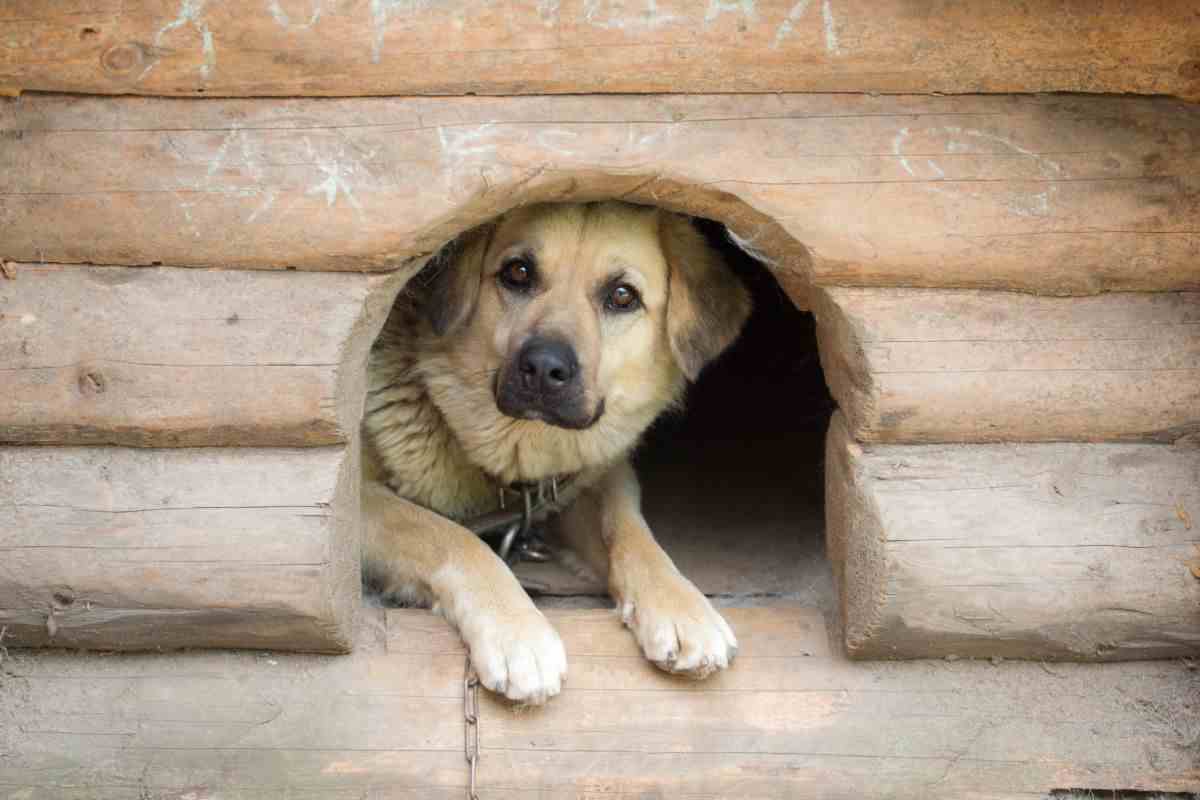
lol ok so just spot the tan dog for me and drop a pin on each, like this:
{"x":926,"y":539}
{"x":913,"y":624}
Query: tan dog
{"x":543,"y":346}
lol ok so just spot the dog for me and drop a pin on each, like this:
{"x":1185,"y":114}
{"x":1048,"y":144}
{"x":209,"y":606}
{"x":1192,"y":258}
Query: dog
{"x":539,"y":348}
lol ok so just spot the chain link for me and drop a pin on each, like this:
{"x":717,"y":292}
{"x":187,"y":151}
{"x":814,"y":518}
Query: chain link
{"x":471,"y":729}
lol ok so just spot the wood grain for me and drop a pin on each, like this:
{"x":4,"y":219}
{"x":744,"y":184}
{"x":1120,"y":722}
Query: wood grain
{"x":163,"y":357}
{"x":1041,"y":551}
{"x":391,"y":47}
{"x":141,"y":549}
{"x":1049,"y":194}
{"x":387,"y":722}
{"x":910,"y":366}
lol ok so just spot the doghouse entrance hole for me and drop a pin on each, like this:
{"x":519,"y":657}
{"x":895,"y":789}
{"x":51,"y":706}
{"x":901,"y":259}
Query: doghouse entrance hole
{"x":733,"y":487}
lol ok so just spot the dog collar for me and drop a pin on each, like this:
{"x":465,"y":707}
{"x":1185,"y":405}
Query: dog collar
{"x":521,"y":504}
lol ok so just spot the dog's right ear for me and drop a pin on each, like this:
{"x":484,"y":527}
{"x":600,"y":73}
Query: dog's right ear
{"x":456,"y":273}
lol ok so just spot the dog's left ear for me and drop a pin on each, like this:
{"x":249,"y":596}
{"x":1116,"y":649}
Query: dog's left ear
{"x":456,"y":273}
{"x":707,"y":305}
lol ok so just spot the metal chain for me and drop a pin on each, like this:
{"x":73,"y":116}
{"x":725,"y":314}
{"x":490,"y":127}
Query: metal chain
{"x":471,"y":729}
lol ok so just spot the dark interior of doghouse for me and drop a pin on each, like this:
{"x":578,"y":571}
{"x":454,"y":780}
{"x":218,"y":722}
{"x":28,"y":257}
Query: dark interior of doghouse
{"x":733,"y":486}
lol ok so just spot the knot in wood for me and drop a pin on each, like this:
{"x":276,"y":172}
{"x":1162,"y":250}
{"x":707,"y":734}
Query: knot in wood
{"x":92,"y":382}
{"x":122,"y":57}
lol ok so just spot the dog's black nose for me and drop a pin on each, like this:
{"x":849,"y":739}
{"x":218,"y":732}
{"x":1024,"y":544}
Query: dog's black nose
{"x":547,"y":366}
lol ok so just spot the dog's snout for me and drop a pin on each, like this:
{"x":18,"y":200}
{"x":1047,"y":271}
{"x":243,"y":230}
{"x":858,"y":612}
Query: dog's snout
{"x":547,"y":366}
{"x":545,"y":381}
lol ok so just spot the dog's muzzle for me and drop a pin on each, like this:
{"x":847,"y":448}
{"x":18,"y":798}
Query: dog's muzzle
{"x":543,"y":382}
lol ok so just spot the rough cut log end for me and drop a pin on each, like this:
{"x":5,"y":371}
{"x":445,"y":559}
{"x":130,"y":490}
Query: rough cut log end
{"x":161,"y":357}
{"x":136,"y":549}
{"x":926,"y":366}
{"x":1044,"y":551}
{"x":855,"y":543}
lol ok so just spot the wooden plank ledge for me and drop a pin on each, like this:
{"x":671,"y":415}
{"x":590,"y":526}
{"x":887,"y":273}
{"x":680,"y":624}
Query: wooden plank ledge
{"x":790,"y":719}
{"x":393,"y":47}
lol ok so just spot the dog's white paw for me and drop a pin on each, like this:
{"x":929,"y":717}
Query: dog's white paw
{"x":518,"y":655}
{"x":678,"y":629}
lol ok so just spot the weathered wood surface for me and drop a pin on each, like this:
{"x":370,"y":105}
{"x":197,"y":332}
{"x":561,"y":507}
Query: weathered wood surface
{"x":1047,"y":551}
{"x":136,"y":549}
{"x":397,"y":47}
{"x":173,"y":358}
{"x":790,"y":719}
{"x":1052,"y":194}
{"x":911,"y":366}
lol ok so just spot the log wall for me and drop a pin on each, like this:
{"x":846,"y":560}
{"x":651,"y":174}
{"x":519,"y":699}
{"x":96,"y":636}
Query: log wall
{"x":1053,"y":195}
{"x":901,"y":207}
{"x":245,"y":541}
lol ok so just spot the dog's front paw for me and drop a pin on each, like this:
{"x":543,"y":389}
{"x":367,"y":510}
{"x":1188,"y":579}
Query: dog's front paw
{"x":518,"y":655}
{"x":678,"y":629}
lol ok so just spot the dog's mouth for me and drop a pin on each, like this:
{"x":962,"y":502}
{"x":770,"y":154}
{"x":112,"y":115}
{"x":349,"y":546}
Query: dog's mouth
{"x":568,"y":411}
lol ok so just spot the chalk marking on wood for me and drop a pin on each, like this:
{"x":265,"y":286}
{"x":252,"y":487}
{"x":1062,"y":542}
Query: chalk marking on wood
{"x":548,"y":12}
{"x":382,"y":12}
{"x":556,"y":140}
{"x":190,"y":12}
{"x":718,"y":7}
{"x":831,"y":39}
{"x":249,"y":165}
{"x":649,"y":19}
{"x":460,"y":144}
{"x":1032,"y":205}
{"x":338,"y":169}
{"x":654,"y":141}
{"x":281,"y":17}
{"x":828,"y":23}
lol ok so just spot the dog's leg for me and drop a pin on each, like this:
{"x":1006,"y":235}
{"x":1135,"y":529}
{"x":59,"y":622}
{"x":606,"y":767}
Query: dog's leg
{"x":514,"y":650}
{"x":676,"y":626}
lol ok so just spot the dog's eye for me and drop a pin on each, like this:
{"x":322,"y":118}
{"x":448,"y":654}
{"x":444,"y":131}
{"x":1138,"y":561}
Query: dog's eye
{"x":517,"y":274}
{"x":623,"y":298}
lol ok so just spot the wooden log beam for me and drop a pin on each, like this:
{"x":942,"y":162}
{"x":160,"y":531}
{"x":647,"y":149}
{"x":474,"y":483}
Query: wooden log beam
{"x":385,"y":47}
{"x":134,"y":549}
{"x":175,"y":358}
{"x":1051,"y":194}
{"x":911,"y":365}
{"x":1046,"y":551}
{"x":790,"y":719}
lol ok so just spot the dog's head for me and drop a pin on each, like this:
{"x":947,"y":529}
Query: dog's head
{"x":571,"y":327}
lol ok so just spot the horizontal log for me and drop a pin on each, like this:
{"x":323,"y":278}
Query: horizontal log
{"x":135,"y":549}
{"x":388,"y":47}
{"x":911,"y":366}
{"x":1050,"y":194}
{"x":173,"y":358}
{"x":387,"y":722}
{"x":1047,"y":551}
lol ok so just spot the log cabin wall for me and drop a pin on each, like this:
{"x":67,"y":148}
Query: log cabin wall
{"x":191,"y":285}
